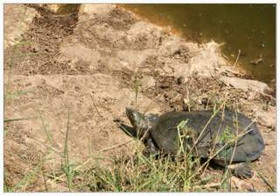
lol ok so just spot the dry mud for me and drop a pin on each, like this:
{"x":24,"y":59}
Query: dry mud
{"x":79,"y":72}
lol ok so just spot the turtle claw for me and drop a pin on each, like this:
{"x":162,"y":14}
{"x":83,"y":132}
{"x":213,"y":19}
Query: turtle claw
{"x":243,"y":171}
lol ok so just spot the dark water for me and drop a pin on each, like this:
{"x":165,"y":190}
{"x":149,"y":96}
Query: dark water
{"x":246,"y":29}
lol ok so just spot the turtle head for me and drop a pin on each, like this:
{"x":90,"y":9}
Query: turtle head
{"x":140,"y":122}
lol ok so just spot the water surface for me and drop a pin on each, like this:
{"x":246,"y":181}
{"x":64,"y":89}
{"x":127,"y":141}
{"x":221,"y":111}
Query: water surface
{"x":248,"y":30}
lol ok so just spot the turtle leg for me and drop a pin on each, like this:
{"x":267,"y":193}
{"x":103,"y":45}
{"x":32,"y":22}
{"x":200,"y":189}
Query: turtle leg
{"x":241,"y":170}
{"x":150,"y":148}
{"x":125,"y":128}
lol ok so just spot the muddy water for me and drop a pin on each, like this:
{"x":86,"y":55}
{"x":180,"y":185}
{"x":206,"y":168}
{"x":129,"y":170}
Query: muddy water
{"x":248,"y":31}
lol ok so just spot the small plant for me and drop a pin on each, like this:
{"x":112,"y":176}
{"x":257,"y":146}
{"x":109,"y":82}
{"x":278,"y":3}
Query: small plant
{"x":68,"y":167}
{"x":70,"y":172}
{"x":186,"y":137}
{"x":226,"y":136}
{"x":137,"y":88}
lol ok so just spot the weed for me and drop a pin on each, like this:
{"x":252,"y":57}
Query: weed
{"x":137,"y":88}
{"x":68,"y":167}
{"x":226,"y":136}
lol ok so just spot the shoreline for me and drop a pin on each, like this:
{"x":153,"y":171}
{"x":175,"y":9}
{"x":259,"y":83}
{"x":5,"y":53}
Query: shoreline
{"x":167,"y":24}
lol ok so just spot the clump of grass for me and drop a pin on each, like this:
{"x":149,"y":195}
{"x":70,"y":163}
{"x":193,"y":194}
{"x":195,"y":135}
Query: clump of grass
{"x":140,"y":173}
{"x":68,"y":167}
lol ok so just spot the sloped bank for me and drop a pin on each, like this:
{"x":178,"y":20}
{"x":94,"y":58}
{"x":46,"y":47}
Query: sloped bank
{"x":106,"y":60}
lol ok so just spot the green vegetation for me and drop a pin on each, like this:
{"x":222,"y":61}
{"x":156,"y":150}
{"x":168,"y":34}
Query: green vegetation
{"x":68,"y":166}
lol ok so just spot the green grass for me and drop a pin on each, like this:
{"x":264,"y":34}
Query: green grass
{"x":68,"y":167}
{"x":140,"y":173}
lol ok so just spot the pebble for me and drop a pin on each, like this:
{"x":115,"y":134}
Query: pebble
{"x":181,"y":80}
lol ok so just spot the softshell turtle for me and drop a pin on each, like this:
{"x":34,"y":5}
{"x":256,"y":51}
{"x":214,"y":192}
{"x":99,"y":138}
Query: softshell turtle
{"x":227,"y":137}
